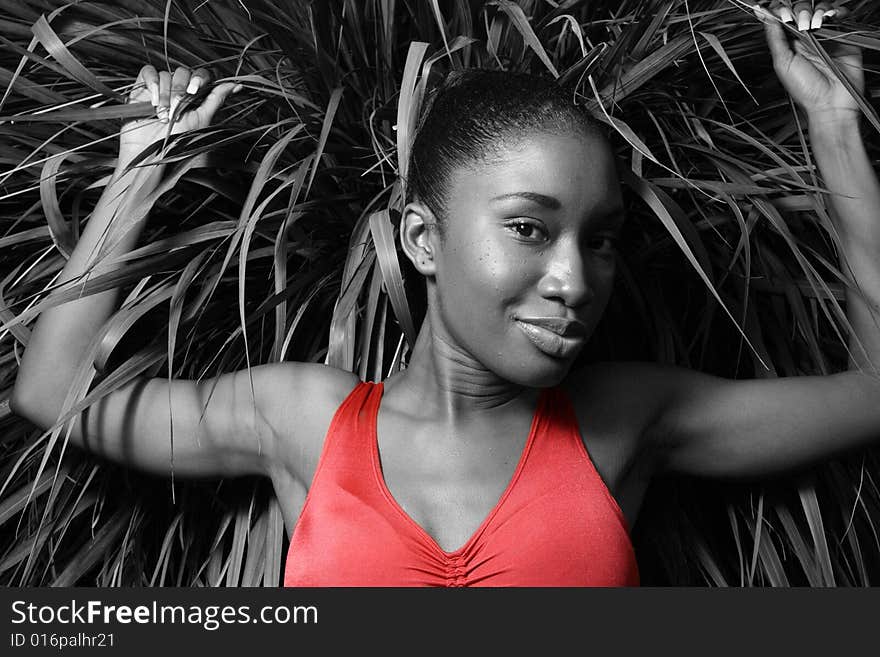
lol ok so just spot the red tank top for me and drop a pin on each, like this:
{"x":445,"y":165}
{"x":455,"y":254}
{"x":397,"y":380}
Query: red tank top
{"x":556,"y":524}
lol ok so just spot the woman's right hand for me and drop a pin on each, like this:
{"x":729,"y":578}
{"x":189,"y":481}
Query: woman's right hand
{"x":165,"y":91}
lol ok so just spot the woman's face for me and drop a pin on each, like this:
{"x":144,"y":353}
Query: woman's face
{"x":526,"y":264}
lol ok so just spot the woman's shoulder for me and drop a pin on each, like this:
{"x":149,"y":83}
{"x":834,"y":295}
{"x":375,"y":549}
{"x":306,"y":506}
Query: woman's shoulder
{"x":628,"y":394}
{"x":310,"y":386}
{"x":298,"y":402}
{"x":297,"y":399}
{"x":316,"y":375}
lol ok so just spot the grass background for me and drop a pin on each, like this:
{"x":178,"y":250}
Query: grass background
{"x":274,"y":240}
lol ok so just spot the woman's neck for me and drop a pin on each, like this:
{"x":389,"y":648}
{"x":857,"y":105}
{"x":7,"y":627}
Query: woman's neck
{"x":449,"y":382}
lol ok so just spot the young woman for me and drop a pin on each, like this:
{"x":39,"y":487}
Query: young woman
{"x":488,"y":460}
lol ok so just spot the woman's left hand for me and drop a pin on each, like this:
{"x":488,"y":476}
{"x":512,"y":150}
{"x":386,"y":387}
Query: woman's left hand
{"x":802,"y":71}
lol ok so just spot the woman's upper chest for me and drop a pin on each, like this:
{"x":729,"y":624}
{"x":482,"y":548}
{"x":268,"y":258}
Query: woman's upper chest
{"x":450,"y":484}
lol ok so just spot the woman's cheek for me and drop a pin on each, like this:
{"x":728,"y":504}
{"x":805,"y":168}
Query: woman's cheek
{"x":509,"y":269}
{"x":604,"y":278}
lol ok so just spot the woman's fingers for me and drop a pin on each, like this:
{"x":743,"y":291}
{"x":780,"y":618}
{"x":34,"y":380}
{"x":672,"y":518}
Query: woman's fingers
{"x":151,"y":79}
{"x":819,"y":14}
{"x":778,"y":43}
{"x":166,"y":91}
{"x":200,"y":78}
{"x":805,"y":15}
{"x":146,"y":86}
{"x":215,"y":99}
{"x":782,"y":10}
{"x":164,"y":96}
{"x":179,"y":83}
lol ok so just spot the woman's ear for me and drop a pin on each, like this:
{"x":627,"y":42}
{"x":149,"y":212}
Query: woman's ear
{"x":418,"y":237}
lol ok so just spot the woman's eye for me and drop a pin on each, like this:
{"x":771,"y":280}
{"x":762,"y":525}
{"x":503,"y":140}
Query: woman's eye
{"x":527,"y":230}
{"x":606,"y":243}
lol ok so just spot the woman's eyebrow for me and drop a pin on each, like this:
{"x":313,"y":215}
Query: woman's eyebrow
{"x":549,"y":202}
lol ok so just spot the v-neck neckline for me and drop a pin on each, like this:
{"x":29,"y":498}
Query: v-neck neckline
{"x":392,"y":501}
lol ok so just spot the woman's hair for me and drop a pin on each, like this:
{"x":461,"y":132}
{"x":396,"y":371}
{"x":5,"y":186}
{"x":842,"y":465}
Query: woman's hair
{"x":474,"y":112}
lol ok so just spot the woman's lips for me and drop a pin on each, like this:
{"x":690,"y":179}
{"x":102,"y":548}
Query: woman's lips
{"x":555,"y":336}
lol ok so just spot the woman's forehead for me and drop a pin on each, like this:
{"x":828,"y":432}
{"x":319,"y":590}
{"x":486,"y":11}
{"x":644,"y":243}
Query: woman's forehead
{"x":547,"y":169}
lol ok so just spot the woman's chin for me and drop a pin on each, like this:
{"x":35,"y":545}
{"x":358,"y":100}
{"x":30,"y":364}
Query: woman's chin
{"x":540,"y":373}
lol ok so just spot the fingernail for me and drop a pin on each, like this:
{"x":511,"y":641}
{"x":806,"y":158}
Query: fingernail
{"x":817,"y":21}
{"x":803,"y":20}
{"x":193,"y":85}
{"x":154,"y":96}
{"x":237,"y":88}
{"x":785,"y":15}
{"x":831,"y":13}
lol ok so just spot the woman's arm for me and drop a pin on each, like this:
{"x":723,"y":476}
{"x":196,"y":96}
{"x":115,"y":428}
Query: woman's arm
{"x":711,"y":426}
{"x":855,"y":201}
{"x":833,"y":118}
{"x":220,"y":426}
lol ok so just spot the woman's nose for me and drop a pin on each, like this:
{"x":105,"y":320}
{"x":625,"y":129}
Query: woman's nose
{"x":566,"y":279}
